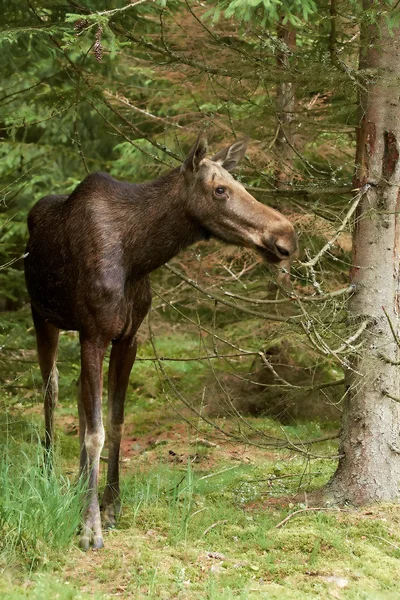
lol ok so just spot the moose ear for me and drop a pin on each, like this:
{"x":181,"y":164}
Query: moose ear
{"x":196,"y":154}
{"x":230,"y":156}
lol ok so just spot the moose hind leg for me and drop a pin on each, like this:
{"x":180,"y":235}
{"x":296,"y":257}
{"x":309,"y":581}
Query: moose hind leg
{"x":92,"y":354}
{"x":47,"y":345}
{"x":122,"y":357}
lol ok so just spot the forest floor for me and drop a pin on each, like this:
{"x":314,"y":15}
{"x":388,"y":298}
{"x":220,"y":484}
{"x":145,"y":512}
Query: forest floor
{"x":202,"y":517}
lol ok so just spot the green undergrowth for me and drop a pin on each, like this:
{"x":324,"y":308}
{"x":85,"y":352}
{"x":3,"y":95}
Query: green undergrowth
{"x":214,"y":384}
{"x":187,"y":532}
{"x":199,"y":520}
{"x":204,"y":529}
{"x":40,"y":509}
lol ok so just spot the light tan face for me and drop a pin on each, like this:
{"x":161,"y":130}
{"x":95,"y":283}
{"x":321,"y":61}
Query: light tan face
{"x":245,"y":220}
{"x":228,"y":212}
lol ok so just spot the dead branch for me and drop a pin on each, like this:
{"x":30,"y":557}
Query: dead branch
{"x":253,"y":313}
{"x":214,"y":525}
{"x":303,"y":510}
{"x":350,"y":212}
{"x":295,"y":298}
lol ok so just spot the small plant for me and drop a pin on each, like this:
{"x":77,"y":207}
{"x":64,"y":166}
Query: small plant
{"x":181,"y":504}
{"x":40,"y":510}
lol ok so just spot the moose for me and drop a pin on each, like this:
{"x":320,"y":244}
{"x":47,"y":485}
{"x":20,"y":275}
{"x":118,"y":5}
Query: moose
{"x":87,"y":267}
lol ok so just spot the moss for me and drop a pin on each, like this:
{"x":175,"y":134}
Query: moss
{"x":200,"y":521}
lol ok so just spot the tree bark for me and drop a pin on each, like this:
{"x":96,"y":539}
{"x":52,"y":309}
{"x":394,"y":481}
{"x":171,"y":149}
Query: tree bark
{"x":369,"y":467}
{"x":284,"y":142}
{"x":285,"y":104}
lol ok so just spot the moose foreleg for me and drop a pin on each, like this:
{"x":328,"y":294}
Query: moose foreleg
{"x":122,"y":357}
{"x":83,"y":466}
{"x":92,"y":355}
{"x":47,"y":344}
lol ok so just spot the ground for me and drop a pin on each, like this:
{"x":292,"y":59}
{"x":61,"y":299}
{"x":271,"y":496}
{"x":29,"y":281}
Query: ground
{"x":206,"y":521}
{"x":202,"y":516}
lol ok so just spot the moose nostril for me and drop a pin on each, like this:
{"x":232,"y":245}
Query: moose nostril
{"x":282,"y":250}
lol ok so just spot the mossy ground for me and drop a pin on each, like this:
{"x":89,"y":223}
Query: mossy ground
{"x":199,"y":520}
{"x":189,"y":531}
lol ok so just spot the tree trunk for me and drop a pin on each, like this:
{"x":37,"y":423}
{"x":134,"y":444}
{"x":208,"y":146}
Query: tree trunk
{"x":284,"y":142}
{"x":285,"y":105}
{"x":369,"y":467}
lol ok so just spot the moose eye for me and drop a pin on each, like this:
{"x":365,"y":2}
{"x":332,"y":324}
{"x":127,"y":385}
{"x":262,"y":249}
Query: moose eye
{"x":220,"y":190}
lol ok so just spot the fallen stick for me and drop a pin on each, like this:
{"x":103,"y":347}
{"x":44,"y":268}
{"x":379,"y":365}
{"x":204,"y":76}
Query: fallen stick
{"x":214,"y":525}
{"x":301,"y":510}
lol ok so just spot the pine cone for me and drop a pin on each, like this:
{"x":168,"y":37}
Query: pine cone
{"x":98,"y":48}
{"x":80,"y":24}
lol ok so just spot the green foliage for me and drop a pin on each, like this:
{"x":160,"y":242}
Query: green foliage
{"x":40,"y":509}
{"x":41,"y":587}
{"x":270,"y":12}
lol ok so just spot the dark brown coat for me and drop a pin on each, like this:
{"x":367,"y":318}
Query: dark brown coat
{"x":87,"y":269}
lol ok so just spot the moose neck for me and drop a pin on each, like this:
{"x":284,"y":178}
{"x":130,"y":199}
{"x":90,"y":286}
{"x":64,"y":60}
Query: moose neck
{"x":159,"y":226}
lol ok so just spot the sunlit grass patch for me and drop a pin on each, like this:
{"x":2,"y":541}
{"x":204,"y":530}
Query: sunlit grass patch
{"x":230,"y":549}
{"x":185,"y":502}
{"x":40,"y":509}
{"x":41,"y":587}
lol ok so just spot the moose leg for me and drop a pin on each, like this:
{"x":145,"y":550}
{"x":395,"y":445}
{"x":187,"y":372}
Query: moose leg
{"x":83,"y":467}
{"x":47,"y":344}
{"x":122,"y":357}
{"x":92,"y":354}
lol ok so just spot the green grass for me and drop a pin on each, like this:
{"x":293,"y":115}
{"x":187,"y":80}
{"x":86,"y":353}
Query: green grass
{"x":40,"y":509}
{"x":173,"y":518}
{"x":198,"y":522}
{"x":185,"y":535}
{"x":40,"y":587}
{"x":192,"y":532}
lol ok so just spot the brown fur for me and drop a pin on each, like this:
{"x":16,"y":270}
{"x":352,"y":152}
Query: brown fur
{"x":87,"y":269}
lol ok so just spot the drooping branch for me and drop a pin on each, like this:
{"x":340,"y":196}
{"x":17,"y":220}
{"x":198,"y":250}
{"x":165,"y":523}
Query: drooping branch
{"x":356,"y":201}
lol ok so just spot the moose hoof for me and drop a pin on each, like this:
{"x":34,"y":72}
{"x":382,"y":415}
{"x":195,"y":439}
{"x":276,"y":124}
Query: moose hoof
{"x":109,"y":517}
{"x":96,"y":543}
{"x":84,"y":543}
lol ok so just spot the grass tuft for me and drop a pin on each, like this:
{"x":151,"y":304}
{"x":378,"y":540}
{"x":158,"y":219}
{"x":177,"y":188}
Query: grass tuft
{"x":40,"y":510}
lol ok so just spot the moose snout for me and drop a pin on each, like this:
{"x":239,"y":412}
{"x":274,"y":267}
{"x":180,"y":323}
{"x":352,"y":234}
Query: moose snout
{"x":283,"y":246}
{"x":282,"y":250}
{"x":286,"y":246}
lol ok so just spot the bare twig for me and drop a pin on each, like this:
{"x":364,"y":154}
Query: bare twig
{"x":346,"y":219}
{"x":302,"y":510}
{"x":122,"y":100}
{"x":196,"y":358}
{"x":388,"y":395}
{"x":300,"y":192}
{"x":207,"y":293}
{"x":392,"y":329}
{"x":294,"y":297}
{"x":214,"y":525}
